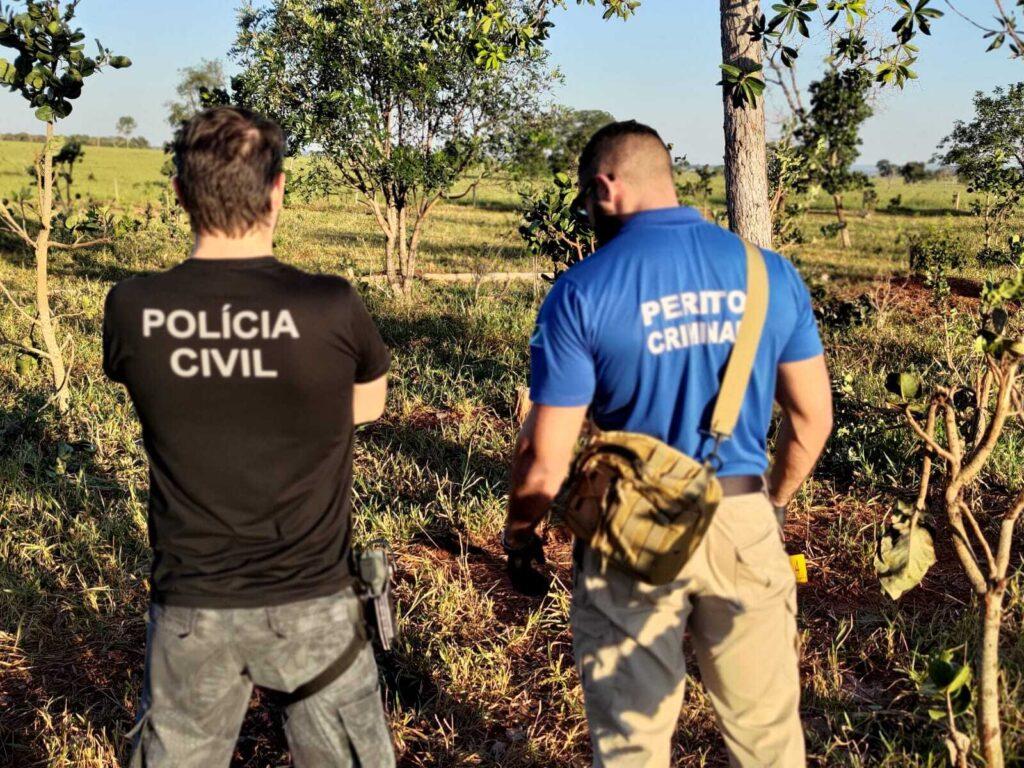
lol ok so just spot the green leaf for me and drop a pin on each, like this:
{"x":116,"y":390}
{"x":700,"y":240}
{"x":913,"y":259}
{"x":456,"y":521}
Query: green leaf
{"x":120,"y":62}
{"x":906,"y":385}
{"x":904,"y":553}
{"x":25,"y":364}
{"x":45,"y":113}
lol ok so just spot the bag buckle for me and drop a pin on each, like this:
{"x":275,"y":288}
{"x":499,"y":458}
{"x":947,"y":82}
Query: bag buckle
{"x":713,"y":460}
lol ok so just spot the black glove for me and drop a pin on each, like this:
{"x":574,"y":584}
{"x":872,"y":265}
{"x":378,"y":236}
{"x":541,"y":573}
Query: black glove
{"x":527,"y":580}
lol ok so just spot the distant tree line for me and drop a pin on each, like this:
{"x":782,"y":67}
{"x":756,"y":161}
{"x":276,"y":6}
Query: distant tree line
{"x":135,"y":142}
{"x":914,"y":172}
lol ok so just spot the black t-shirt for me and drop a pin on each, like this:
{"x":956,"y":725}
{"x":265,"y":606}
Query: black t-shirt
{"x":241,"y":371}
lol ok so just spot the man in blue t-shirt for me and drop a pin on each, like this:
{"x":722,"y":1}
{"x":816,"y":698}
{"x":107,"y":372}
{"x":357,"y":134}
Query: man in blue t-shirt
{"x":638,"y":334}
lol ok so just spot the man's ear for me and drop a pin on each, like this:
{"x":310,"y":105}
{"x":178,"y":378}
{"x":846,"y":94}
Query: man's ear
{"x":604,"y":188}
{"x":606,"y":193}
{"x":277,"y":191}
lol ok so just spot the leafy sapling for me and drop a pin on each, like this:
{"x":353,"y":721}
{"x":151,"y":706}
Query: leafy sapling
{"x":49,"y":70}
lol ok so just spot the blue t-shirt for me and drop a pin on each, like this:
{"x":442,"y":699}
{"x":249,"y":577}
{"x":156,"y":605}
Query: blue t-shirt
{"x":642,"y":329}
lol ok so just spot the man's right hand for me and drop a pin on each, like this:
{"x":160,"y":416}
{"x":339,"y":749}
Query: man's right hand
{"x":525,"y":577}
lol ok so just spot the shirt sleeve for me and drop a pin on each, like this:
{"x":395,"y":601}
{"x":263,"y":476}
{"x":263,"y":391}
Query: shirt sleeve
{"x":561,"y":361}
{"x":373,"y":357}
{"x":114,"y":353}
{"x":804,"y":342}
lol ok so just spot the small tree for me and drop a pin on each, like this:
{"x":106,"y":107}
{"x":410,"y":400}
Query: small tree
{"x":400,"y":99}
{"x":699,"y":189}
{"x":552,"y":141}
{"x":914,"y":172}
{"x":830,"y":135}
{"x":49,"y":71}
{"x":886,"y":169}
{"x":552,"y":229}
{"x":960,"y":421}
{"x":126,"y":127}
{"x":208,"y":75}
{"x":64,"y":162}
{"x":791,"y":185}
{"x":988,"y":153}
{"x":573,"y":129}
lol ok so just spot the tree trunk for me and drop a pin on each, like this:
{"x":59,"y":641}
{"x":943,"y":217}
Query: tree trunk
{"x":989,"y":728}
{"x":47,"y":328}
{"x":405,"y":260}
{"x":844,"y":228}
{"x":746,"y":165}
{"x":391,"y":250}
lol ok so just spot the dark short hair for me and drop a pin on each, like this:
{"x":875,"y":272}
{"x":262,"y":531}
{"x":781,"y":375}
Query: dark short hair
{"x":227,"y":160}
{"x":606,"y":137}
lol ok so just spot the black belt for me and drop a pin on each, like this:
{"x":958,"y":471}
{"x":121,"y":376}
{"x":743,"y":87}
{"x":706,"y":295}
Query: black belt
{"x":332,"y":671}
{"x":738,"y":485}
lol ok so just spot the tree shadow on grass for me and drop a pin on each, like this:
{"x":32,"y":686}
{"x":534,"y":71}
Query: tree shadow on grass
{"x":95,"y":264}
{"x":447,"y":340}
{"x":69,"y":657}
{"x":65,"y":654}
{"x":500,"y":206}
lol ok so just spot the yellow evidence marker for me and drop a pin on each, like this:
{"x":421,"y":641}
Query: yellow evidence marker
{"x":799,"y":565}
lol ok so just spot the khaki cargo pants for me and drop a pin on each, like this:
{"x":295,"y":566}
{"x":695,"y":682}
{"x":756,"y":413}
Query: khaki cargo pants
{"x":737,"y":598}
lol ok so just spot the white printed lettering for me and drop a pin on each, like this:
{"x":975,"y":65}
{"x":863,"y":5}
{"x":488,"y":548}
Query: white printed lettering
{"x":240,"y":330}
{"x":181,"y":324}
{"x":257,"y":365}
{"x":737,"y":300}
{"x":285,"y":325}
{"x":178,"y":368}
{"x":672,"y":339}
{"x":650,"y":310}
{"x":670,"y":307}
{"x":152,"y":318}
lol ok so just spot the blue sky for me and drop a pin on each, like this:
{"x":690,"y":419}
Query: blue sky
{"x":660,"y":67}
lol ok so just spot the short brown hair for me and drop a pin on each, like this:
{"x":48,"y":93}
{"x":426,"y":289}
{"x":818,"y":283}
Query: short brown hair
{"x":227,"y":160}
{"x":608,"y":138}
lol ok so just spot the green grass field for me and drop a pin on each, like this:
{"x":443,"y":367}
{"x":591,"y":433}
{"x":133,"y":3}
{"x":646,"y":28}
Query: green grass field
{"x":482,"y":676}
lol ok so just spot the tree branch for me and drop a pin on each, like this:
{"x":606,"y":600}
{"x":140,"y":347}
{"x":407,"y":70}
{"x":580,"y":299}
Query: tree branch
{"x":926,"y":464}
{"x":1006,"y":536}
{"x":80,"y":244}
{"x":17,"y":306}
{"x":14,"y":227}
{"x":962,"y":545}
{"x":980,"y":454}
{"x":930,"y":443}
{"x":976,"y":530}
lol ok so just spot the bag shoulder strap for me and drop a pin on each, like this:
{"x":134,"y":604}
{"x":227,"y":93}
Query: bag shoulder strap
{"x":741,"y":360}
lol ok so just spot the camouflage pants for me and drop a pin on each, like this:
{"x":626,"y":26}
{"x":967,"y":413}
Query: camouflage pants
{"x":736,"y":598}
{"x":202,"y":663}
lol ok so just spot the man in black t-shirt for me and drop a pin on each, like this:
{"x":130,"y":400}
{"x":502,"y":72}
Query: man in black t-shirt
{"x":248,"y":377}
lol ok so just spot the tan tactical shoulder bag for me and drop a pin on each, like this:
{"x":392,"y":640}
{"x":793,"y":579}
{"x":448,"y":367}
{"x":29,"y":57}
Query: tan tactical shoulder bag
{"x":642,"y":504}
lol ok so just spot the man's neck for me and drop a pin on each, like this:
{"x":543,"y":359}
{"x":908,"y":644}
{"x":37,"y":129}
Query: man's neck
{"x":654,"y":200}
{"x":248,"y":246}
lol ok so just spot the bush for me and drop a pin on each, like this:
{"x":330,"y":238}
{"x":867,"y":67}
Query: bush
{"x":552,"y":229}
{"x":933,"y":255}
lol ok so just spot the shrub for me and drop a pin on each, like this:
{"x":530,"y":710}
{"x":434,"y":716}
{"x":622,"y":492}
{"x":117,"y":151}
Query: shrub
{"x":933,"y":255}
